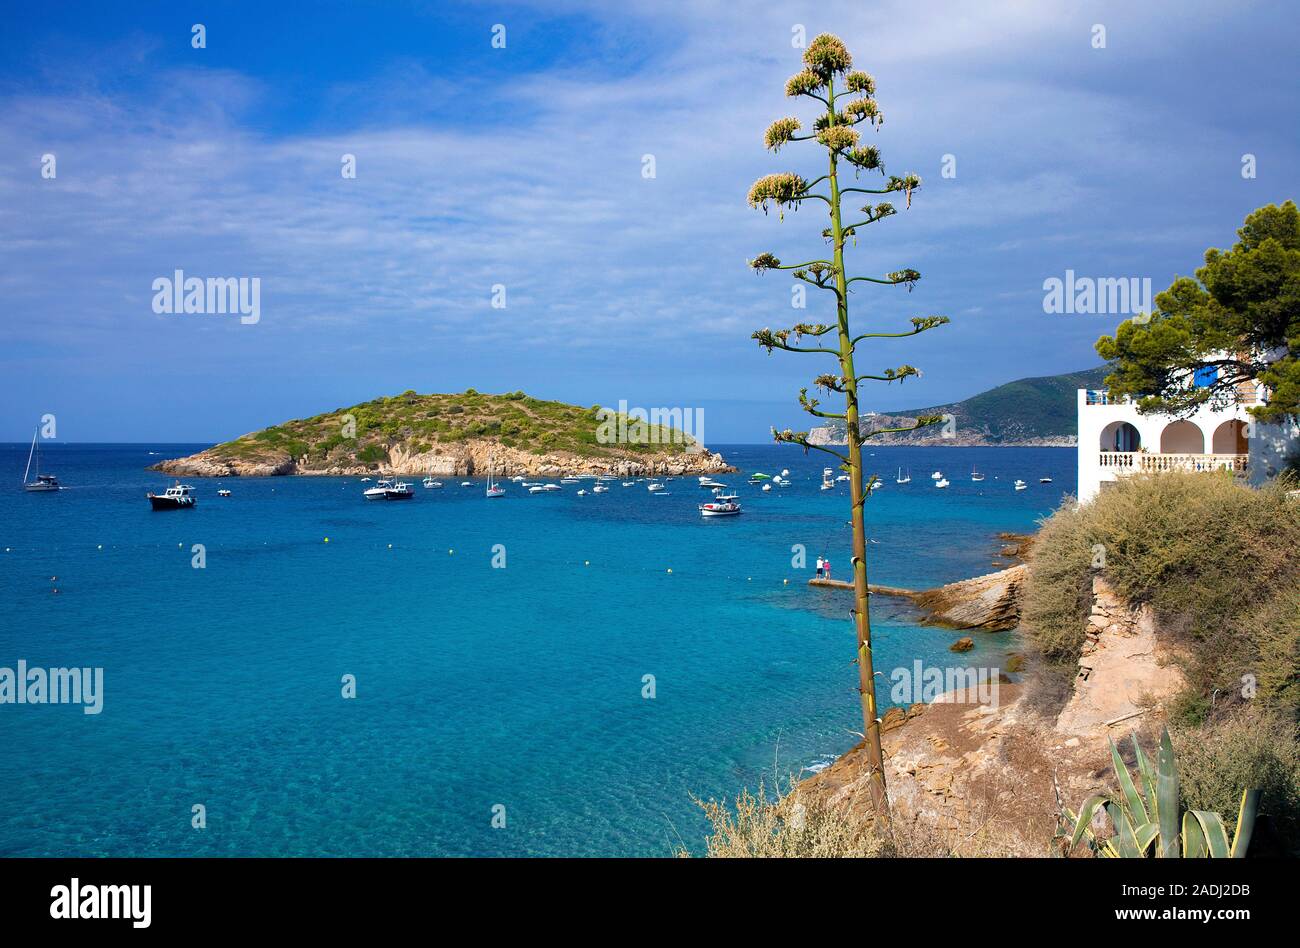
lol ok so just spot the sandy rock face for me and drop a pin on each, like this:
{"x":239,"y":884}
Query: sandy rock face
{"x":990,"y":603}
{"x":1123,"y":670}
{"x":459,"y":460}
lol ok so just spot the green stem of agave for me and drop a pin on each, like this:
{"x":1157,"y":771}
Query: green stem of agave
{"x":862,"y":612}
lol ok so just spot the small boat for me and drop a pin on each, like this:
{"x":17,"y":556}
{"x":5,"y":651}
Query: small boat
{"x":767,"y":487}
{"x":828,"y":479}
{"x":517,"y":479}
{"x":1044,"y":480}
{"x":493,"y":489}
{"x":781,"y":481}
{"x":720,"y":508}
{"x":758,"y":476}
{"x":466,"y":483}
{"x":430,"y":483}
{"x":654,"y":487}
{"x":628,"y":483}
{"x":568,"y":480}
{"x":364,"y":480}
{"x":785,"y":472}
{"x":599,"y":488}
{"x":543,"y":488}
{"x":44,"y":483}
{"x":1020,"y":485}
{"x":941,"y":482}
{"x":582,"y":493}
{"x":901,"y":479}
{"x":975,"y":475}
{"x":710,"y":482}
{"x":178,"y":497}
{"x":936,"y":476}
{"x":223,"y":493}
{"x":388,"y":489}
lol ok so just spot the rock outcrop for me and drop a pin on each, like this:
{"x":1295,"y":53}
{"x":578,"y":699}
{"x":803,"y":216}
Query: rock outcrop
{"x":990,"y":603}
{"x":461,"y":460}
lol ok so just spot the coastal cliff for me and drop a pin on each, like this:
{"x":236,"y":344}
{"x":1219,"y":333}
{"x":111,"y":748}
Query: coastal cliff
{"x":456,"y":435}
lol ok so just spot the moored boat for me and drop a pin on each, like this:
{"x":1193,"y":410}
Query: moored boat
{"x":177,"y":497}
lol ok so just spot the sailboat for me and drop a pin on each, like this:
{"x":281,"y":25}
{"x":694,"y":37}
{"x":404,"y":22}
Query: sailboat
{"x":828,"y":479}
{"x":43,"y":482}
{"x":975,"y":475}
{"x":900,"y":479}
{"x":493,"y":489}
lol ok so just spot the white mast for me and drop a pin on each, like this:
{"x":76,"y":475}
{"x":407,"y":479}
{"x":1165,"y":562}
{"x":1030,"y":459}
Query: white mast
{"x":29,"y":456}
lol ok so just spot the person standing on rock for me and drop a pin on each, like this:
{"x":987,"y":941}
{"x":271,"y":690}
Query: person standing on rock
{"x":826,"y":568}
{"x":820,"y":568}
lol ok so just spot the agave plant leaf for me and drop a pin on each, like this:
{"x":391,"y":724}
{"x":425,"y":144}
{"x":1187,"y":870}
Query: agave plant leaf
{"x":1148,"y":775}
{"x":1193,"y":839}
{"x":1167,"y":799}
{"x":1127,"y":842}
{"x":1245,"y":823}
{"x":1083,"y":824}
{"x":1145,"y":835}
{"x":1138,"y":812}
{"x":1216,"y":835}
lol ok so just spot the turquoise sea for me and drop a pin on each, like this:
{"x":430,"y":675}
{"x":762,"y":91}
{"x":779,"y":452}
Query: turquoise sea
{"x":476,"y":687}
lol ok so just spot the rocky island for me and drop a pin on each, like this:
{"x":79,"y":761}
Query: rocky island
{"x":457,"y":434}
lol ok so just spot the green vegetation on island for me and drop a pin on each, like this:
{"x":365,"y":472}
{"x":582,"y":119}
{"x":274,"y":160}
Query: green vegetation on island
{"x":367,"y":433}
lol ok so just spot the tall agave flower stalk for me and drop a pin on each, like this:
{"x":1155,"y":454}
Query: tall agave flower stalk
{"x":846,"y":98}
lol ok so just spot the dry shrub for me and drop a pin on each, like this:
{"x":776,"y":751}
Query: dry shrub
{"x":1245,"y":748}
{"x":1054,"y":607}
{"x":803,"y":826}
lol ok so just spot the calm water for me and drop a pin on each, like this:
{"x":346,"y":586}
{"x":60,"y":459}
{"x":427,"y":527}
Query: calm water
{"x":476,"y":686}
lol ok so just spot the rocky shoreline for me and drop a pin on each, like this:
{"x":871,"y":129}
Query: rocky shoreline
{"x":461,"y":460}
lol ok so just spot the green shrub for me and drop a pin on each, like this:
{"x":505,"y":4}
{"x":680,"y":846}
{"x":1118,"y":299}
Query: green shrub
{"x":1244,"y":748}
{"x":373,"y":453}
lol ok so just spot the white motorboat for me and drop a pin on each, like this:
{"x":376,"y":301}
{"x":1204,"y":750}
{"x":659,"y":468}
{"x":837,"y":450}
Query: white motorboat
{"x":599,"y":488}
{"x":828,"y":479}
{"x":628,"y":483}
{"x":430,"y":483}
{"x":767,"y":487}
{"x":388,"y":489}
{"x":936,"y":476}
{"x":568,"y":480}
{"x":1044,"y":480}
{"x":720,"y":508}
{"x":1020,"y":485}
{"x":223,"y":493}
{"x":941,"y":482}
{"x":654,"y":487}
{"x":583,"y":492}
{"x":44,"y":483}
{"x":544,"y":488}
{"x":178,"y":497}
{"x":710,"y":482}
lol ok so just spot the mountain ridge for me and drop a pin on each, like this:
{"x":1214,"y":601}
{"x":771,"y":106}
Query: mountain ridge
{"x":1037,"y":411}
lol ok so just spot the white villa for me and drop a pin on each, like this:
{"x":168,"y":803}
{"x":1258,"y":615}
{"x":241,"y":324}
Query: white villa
{"x":1114,"y":441}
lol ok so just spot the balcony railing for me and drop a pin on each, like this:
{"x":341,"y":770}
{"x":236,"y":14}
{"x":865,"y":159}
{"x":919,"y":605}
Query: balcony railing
{"x":1125,"y":462}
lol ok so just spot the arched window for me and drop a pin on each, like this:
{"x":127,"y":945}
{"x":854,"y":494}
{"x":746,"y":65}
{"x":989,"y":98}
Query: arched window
{"x":1230,"y":438}
{"x":1182,"y":437}
{"x":1120,"y":436}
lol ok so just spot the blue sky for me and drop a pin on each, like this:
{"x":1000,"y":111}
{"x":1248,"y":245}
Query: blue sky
{"x":522,"y":166}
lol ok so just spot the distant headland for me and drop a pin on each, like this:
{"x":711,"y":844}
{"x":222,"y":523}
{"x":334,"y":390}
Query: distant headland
{"x":457,"y":434}
{"x":1033,"y":412}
